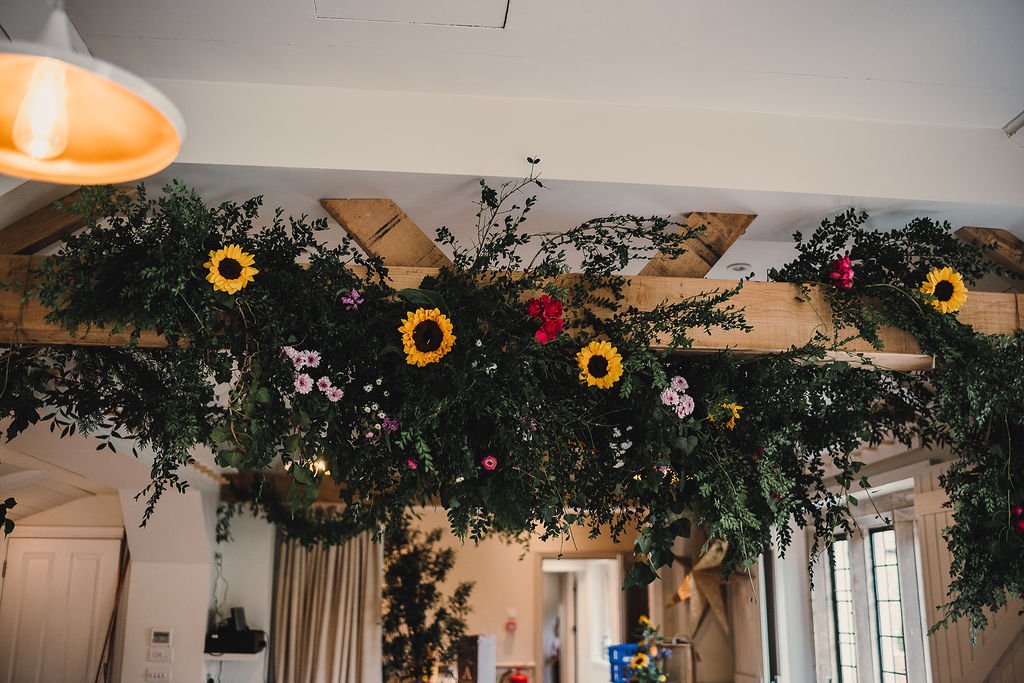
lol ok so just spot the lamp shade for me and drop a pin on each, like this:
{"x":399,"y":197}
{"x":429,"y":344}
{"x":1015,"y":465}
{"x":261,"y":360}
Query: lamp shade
{"x":69,"y":118}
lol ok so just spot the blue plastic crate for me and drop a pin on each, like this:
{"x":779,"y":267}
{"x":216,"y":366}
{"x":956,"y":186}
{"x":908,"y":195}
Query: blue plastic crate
{"x":620,"y":656}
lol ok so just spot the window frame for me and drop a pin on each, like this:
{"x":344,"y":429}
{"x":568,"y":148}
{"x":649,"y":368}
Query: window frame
{"x":898,"y":513}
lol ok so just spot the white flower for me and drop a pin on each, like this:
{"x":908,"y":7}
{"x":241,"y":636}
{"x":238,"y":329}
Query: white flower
{"x":366,"y":409}
{"x":379,"y":381}
{"x":459,"y":480}
{"x":626,"y":445}
{"x":618,"y":464}
{"x":479,"y":343}
{"x":679,"y":383}
{"x":368,"y":388}
{"x":616,"y":432}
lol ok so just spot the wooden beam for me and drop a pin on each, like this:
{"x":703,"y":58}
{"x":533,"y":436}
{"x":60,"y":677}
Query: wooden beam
{"x":721,"y":230}
{"x":382,"y":229}
{"x":35,"y":232}
{"x":779,"y":317}
{"x":1008,"y":252}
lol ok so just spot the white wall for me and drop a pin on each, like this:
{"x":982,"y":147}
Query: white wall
{"x":103,"y":510}
{"x":169,"y":584}
{"x":248,"y":568}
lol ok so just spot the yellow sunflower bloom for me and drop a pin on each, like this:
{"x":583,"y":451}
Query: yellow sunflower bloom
{"x":732,"y":410}
{"x":639,"y":661}
{"x":600,"y":364}
{"x":426,"y":336}
{"x":946,"y":288}
{"x":231,"y":269}
{"x":644,"y":620}
{"x":653,"y":651}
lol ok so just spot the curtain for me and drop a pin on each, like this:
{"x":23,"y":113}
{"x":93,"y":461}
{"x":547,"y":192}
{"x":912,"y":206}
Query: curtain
{"x":326,"y":625}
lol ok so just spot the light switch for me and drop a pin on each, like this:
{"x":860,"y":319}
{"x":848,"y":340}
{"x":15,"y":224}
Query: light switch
{"x":158,"y":676}
{"x":161,"y":654}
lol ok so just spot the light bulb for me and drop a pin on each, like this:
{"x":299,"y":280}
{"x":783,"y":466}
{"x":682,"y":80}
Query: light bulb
{"x":41,"y":127}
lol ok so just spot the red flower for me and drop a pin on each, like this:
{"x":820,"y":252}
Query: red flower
{"x":535,"y":307}
{"x":1018,"y":512}
{"x":1020,"y":525}
{"x":489,"y":463}
{"x":842,"y":272}
{"x":549,"y":330}
{"x":549,"y":312}
{"x":552,"y":307}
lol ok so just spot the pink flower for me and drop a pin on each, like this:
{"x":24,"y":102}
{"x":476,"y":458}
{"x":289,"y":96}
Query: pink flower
{"x":369,"y":435}
{"x":679,"y":383}
{"x":351,"y":300}
{"x":312,"y":359}
{"x":334,"y":394}
{"x":842,"y":272}
{"x":323,"y":384}
{"x":670,"y":397}
{"x":489,"y":463}
{"x":685,"y":406}
{"x":411,"y":464}
{"x":1018,"y":511}
{"x":290,"y":352}
{"x":303,"y":383}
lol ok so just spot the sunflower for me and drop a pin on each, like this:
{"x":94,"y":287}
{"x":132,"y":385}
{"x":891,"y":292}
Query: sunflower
{"x":639,"y":661}
{"x":230,"y":269}
{"x":426,"y":336}
{"x":600,"y":364}
{"x":947,"y":289}
{"x":732,"y":410}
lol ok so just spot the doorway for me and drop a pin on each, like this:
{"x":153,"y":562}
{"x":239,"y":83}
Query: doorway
{"x":582,"y":615}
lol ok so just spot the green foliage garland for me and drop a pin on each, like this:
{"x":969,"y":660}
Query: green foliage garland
{"x":502,"y":429}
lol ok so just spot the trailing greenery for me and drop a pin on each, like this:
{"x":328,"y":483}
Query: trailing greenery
{"x":422,"y":628}
{"x":525,"y":400}
{"x":971,"y":402}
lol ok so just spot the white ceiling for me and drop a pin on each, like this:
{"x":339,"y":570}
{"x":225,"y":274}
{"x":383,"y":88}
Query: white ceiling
{"x":937,"y":61}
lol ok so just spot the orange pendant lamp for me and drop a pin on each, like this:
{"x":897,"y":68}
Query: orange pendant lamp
{"x":68,"y":118}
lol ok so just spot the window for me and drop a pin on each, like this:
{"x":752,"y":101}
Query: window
{"x":865,"y":605}
{"x":888,"y":607}
{"x":842,"y":602}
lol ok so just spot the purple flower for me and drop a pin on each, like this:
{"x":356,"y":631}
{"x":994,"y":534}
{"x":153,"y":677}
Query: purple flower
{"x":351,"y":300}
{"x":670,"y":397}
{"x":679,"y":383}
{"x":324,"y":384}
{"x":303,"y":383}
{"x":389,"y":424}
{"x":334,"y":394}
{"x":685,"y":406}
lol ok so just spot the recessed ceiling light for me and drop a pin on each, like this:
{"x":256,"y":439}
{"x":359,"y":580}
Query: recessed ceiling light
{"x":739,"y":267}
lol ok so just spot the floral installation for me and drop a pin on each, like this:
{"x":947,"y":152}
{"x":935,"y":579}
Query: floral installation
{"x":946,"y":290}
{"x":582,"y":423}
{"x":231,"y":269}
{"x":648,"y":664}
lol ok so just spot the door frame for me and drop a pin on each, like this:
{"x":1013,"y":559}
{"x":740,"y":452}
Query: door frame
{"x":622,"y":557}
